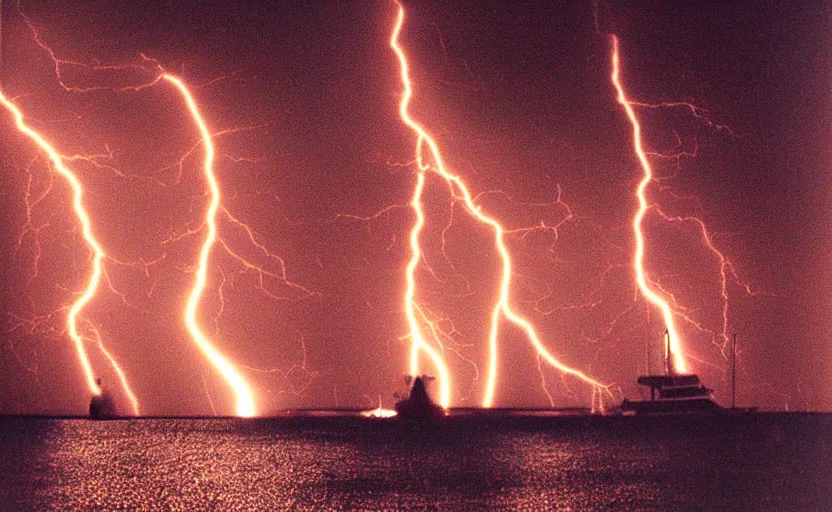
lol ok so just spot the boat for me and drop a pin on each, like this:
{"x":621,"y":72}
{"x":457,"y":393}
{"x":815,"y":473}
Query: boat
{"x":676,"y":394}
{"x":102,"y":405}
{"x":672,"y":392}
{"x":419,"y":406}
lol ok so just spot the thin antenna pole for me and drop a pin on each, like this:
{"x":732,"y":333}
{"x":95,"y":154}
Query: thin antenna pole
{"x":734,"y":373}
{"x":2,"y":70}
{"x":649,"y":341}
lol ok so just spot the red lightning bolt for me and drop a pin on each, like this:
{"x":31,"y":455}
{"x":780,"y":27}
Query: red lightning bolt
{"x":502,"y":308}
{"x":98,"y":257}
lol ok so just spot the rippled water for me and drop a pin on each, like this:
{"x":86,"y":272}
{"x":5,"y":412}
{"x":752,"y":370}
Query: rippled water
{"x":763,"y":462}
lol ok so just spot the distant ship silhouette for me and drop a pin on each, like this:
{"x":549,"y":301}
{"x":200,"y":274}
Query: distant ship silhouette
{"x":419,"y":406}
{"x":102,"y":406}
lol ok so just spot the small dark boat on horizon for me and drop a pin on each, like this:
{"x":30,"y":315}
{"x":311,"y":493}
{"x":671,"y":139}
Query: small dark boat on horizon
{"x":102,"y":405}
{"x":419,"y":406}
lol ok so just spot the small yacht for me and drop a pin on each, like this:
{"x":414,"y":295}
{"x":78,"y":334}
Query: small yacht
{"x":673,"y":393}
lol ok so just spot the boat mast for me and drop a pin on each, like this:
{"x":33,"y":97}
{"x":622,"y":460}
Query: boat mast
{"x":668,"y":354}
{"x":648,"y":339}
{"x":734,"y":373}
{"x":2,"y":74}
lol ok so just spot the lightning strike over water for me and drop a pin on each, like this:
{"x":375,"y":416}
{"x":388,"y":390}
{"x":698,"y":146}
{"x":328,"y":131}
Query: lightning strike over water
{"x":638,"y":258}
{"x":152,"y":74}
{"x":98,"y":255}
{"x":156,"y":217}
{"x":245,"y":397}
{"x":419,"y":342}
{"x":460,"y":192}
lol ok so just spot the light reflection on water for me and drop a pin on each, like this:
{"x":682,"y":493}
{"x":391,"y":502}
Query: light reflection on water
{"x":336,"y":463}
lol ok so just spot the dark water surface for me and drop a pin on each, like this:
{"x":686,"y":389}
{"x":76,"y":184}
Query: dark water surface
{"x":755,"y":462}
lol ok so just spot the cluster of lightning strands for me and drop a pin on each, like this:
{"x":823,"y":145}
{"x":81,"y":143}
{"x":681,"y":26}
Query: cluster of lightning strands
{"x":98,"y":256}
{"x":678,"y":360}
{"x":415,"y":315}
{"x":242,"y":390}
{"x":502,"y":308}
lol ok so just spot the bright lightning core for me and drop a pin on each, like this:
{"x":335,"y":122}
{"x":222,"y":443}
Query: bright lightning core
{"x":638,"y":258}
{"x":245,"y":398}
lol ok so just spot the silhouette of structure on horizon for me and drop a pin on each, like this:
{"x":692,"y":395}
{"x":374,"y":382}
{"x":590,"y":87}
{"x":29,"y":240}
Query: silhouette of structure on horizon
{"x":102,"y":406}
{"x":678,"y":393}
{"x":419,"y":406}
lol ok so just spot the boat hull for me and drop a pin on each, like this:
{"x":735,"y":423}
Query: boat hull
{"x":672,"y":406}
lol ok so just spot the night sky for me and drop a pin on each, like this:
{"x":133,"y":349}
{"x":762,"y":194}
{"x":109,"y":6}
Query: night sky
{"x":313,"y":157}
